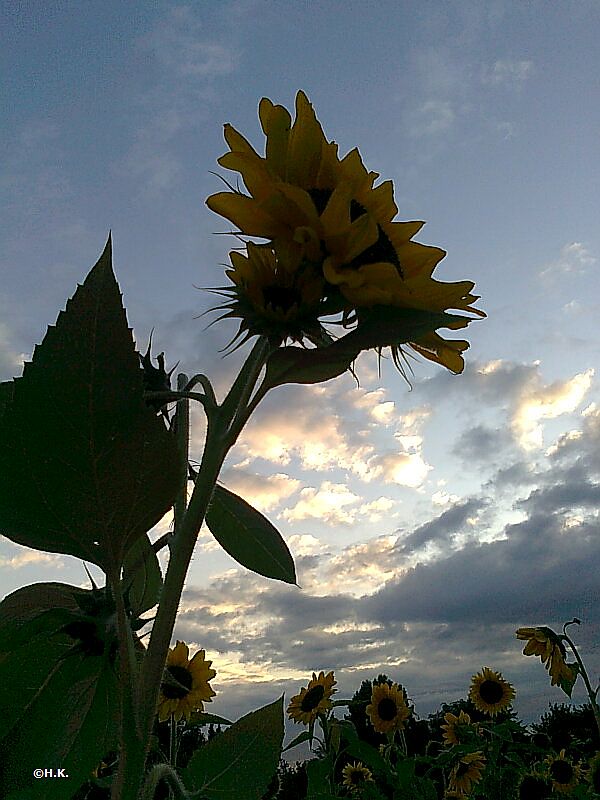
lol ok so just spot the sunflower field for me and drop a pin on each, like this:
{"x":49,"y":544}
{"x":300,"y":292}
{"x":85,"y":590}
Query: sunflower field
{"x":94,"y":452}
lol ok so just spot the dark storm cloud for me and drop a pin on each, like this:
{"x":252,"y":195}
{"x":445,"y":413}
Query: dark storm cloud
{"x":563,"y":496}
{"x":440,"y":529}
{"x":518,"y":473}
{"x":487,"y":387}
{"x":481,"y":443}
{"x":541,"y":569}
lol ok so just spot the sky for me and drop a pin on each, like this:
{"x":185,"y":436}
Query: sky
{"x":426,"y":524}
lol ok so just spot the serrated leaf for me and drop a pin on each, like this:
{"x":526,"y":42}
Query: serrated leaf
{"x":7,"y":389}
{"x":37,"y":609}
{"x":58,"y":709}
{"x":240,"y":763}
{"x":248,"y":536}
{"x":142,"y":578}
{"x":86,"y":468}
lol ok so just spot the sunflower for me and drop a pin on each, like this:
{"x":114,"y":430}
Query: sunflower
{"x":456,"y":727}
{"x":271,"y":300}
{"x":318,"y":209}
{"x":355,"y":775}
{"x":563,"y":773}
{"x":185,"y":685}
{"x":313,"y":699}
{"x":466,"y":772}
{"x":534,"y":786}
{"x":546,"y":644}
{"x":593,"y":773}
{"x":490,"y":693}
{"x":388,"y":710}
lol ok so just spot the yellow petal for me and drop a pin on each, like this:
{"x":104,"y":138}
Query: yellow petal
{"x":276,"y":124}
{"x":245,"y":213}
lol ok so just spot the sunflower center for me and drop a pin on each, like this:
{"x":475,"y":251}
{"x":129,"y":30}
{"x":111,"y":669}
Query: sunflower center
{"x":561,"y":771}
{"x":462,"y":769}
{"x":387,"y":709}
{"x":183,"y":676}
{"x":356,"y":777}
{"x":381,"y":250}
{"x":491,"y":692}
{"x":312,"y":698}
{"x":280,"y":297}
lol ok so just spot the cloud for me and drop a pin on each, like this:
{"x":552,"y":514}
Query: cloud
{"x":327,"y":503}
{"x":547,"y":402}
{"x":507,"y":73}
{"x":431,"y":118}
{"x":29,"y":557}
{"x":178,"y":44}
{"x":441,"y":529}
{"x":263,"y":492}
{"x":575,"y":258}
{"x":186,"y":63}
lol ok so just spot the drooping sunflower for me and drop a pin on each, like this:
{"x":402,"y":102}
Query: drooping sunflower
{"x":185,"y":685}
{"x":593,"y":773}
{"x":546,"y":644}
{"x":317,"y":209}
{"x":388,"y":709}
{"x":466,"y":772}
{"x":490,"y":693}
{"x":563,"y":773}
{"x":356,"y":775}
{"x":456,"y":728}
{"x":313,"y":699}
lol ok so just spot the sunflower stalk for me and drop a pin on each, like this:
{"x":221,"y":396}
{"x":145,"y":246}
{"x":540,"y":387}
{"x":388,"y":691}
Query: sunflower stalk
{"x":224,"y":425}
{"x":132,"y":745}
{"x":592,"y":694}
{"x":166,"y":774}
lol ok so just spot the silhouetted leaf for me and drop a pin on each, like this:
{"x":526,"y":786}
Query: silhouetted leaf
{"x":248,"y":536}
{"x":86,"y":468}
{"x":58,"y":706}
{"x":142,"y":578}
{"x":239,"y":763}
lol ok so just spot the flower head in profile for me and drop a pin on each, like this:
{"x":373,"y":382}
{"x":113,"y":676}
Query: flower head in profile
{"x":490,"y":693}
{"x":313,"y":699}
{"x":185,"y":684}
{"x":356,"y":775}
{"x":457,"y":727}
{"x":324,"y":213}
{"x":388,"y":709}
{"x":466,"y":772}
{"x":563,"y":773}
{"x":546,"y":644}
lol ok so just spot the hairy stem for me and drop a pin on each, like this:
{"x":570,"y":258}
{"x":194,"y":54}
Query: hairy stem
{"x":220,"y":437}
{"x":586,"y":680}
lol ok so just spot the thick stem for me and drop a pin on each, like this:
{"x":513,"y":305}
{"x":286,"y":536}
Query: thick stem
{"x":182,"y":432}
{"x":216,"y":448}
{"x":586,"y":680}
{"x":132,"y":753}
